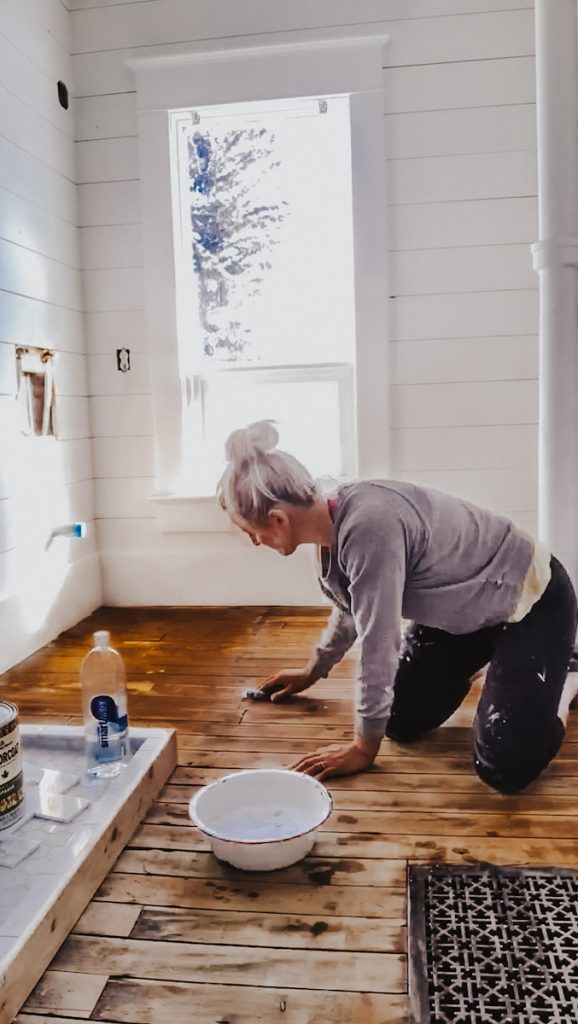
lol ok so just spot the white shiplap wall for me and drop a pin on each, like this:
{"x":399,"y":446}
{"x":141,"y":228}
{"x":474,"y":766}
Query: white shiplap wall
{"x":461,"y":174}
{"x":44,"y":483}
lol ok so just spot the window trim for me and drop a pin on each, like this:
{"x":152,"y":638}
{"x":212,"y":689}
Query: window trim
{"x":302,"y":66}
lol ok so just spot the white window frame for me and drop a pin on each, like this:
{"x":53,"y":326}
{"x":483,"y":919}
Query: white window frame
{"x":341,"y":374}
{"x":297,"y":66}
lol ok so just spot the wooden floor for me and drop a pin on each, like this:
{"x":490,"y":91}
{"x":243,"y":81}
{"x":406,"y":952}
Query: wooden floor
{"x":175,"y":937}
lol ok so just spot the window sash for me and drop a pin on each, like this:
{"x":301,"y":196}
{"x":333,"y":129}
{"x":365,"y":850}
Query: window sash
{"x":197,"y":387}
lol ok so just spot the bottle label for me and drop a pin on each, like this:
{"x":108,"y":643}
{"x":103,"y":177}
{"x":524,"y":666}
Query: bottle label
{"x":111,"y":718}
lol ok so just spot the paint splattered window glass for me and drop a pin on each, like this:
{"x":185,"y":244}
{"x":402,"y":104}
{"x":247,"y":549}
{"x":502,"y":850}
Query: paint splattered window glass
{"x":264,"y":278}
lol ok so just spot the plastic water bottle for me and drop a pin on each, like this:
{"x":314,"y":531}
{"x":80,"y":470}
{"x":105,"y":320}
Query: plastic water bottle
{"x":103,"y":682}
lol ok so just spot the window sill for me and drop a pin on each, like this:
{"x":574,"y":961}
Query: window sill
{"x":178,"y":513}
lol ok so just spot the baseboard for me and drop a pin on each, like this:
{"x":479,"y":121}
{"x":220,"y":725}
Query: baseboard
{"x":208,"y":574}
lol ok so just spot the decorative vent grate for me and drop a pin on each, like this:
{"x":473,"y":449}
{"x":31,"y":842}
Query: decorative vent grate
{"x":493,"y":946}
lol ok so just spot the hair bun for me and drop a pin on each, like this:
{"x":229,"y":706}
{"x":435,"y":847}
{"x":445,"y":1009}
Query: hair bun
{"x":247,"y":442}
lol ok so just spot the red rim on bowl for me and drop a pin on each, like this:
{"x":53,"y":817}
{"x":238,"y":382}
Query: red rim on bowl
{"x":207,"y":830}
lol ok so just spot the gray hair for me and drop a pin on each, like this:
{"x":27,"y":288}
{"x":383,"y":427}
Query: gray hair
{"x":259,"y":475}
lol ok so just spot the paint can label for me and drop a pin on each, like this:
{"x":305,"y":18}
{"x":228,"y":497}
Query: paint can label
{"x":11,"y":776}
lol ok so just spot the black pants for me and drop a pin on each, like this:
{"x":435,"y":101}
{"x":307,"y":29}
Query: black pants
{"x":517,"y":731}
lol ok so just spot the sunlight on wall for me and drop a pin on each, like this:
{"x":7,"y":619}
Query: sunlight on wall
{"x":36,"y":573}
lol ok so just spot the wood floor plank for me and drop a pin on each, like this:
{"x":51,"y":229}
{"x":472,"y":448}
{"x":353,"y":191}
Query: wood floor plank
{"x":481,"y":801}
{"x":438,"y":763}
{"x":154,"y":1002}
{"x":424,"y":848}
{"x":230,"y":965}
{"x":311,"y":871}
{"x":246,"y":894}
{"x":67,"y":993}
{"x":116,"y":919}
{"x":398,"y":822}
{"x":304,"y":931}
{"x":382,"y":779}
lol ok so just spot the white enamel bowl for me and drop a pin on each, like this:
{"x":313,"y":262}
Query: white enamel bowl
{"x":261,"y":819}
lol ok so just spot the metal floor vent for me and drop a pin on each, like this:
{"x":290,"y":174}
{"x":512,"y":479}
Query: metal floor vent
{"x":493,"y":945}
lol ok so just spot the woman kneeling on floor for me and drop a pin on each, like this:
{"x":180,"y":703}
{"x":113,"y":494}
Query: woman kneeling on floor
{"x":478,"y":590}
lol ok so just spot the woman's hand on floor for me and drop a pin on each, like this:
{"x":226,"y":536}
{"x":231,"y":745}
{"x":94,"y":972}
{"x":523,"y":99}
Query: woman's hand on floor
{"x":288,"y":682}
{"x":329,"y":762}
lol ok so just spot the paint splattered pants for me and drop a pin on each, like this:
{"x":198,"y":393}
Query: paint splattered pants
{"x":516,"y":731}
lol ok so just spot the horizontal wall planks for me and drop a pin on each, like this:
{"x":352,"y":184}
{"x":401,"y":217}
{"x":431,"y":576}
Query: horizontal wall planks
{"x":21,"y":77}
{"x":473,"y":448}
{"x":107,"y":160}
{"x":106,"y":332}
{"x":38,"y":230}
{"x":109,"y":290}
{"x":472,"y":222}
{"x":7,"y":369}
{"x":28,"y":177}
{"x":477,"y":268}
{"x":111,"y":245}
{"x":489,"y":403}
{"x":134,"y":457}
{"x":465,"y":315}
{"x":26,"y":321}
{"x":27,"y":129}
{"x":42,"y":32}
{"x":446,"y":360}
{"x":367,"y":10}
{"x":36,"y":276}
{"x":445,"y":132}
{"x":503,"y":490}
{"x":107,"y":379}
{"x":105,"y":117}
{"x":420,"y":40}
{"x":451,"y":178}
{"x":125,"y":498}
{"x":119,"y":416}
{"x":490,"y":82}
{"x":116,"y":202}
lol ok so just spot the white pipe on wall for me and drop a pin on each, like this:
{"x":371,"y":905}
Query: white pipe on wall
{"x":556,"y":261}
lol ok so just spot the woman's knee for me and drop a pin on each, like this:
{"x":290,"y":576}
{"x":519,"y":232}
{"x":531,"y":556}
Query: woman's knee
{"x":503,"y":779}
{"x":403,"y":733}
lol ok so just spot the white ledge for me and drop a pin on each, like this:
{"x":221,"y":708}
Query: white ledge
{"x":255,"y":45}
{"x":182,"y":513}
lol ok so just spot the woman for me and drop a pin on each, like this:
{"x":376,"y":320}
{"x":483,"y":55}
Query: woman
{"x":478,"y":591}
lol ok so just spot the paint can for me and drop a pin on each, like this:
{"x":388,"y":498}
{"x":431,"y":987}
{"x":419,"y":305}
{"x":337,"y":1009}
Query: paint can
{"x":11,"y":778}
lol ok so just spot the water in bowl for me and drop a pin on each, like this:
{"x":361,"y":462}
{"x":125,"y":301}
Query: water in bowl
{"x":258,"y":824}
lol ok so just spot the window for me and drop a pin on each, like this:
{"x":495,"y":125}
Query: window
{"x":304,"y":342}
{"x":265,"y":280}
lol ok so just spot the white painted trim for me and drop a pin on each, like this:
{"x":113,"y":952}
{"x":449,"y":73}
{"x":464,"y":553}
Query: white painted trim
{"x":254,"y":47}
{"x":182,"y":514}
{"x":304,"y":67}
{"x":555,"y":260}
{"x":214,"y":570}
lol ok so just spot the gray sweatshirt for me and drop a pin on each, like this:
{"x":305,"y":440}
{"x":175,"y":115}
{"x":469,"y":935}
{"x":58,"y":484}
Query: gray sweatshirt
{"x":406,"y":551}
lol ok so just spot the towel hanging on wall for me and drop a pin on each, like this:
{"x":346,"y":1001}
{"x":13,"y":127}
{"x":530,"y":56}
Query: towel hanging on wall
{"x":36,"y":393}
